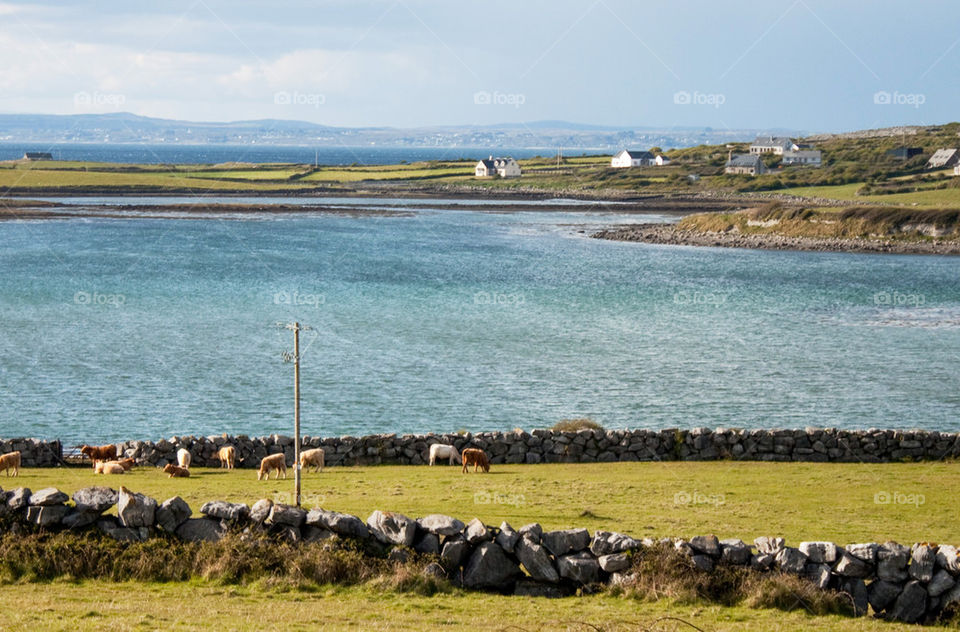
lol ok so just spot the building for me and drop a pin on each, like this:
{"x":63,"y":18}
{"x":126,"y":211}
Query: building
{"x":904,"y":153}
{"x":943,"y":159}
{"x":772,"y":145}
{"x":661,"y":160}
{"x":627,"y":158}
{"x":503,"y":167}
{"x":956,"y":170}
{"x":745,"y":164}
{"x":806,"y":157}
{"x":38,"y":155}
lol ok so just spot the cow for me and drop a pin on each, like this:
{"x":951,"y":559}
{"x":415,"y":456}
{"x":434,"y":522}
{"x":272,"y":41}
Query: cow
{"x":475,"y":457}
{"x":10,"y":461}
{"x":127,"y":464}
{"x":99,"y":453}
{"x":108,"y":467}
{"x":176,"y":472}
{"x":313,"y":457}
{"x":270,"y":463}
{"x":443,"y":451}
{"x":228,"y":456}
{"x":183,"y":458}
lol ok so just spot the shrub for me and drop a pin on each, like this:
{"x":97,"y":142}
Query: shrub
{"x":573,"y":425}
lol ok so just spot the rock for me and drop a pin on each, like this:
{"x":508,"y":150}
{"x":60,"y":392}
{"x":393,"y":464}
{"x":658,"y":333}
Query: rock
{"x":19,"y":498}
{"x":858,"y":594}
{"x":866,"y":551}
{"x":489,"y":567}
{"x":819,"y":574}
{"x":316,"y":534}
{"x":923,"y":557}
{"x":454,"y":552}
{"x":476,"y":532}
{"x":47,"y":515}
{"x":951,"y":596}
{"x":581,"y":567}
{"x":47,"y":497}
{"x":769,"y":545}
{"x":287,"y":515}
{"x":440,"y":524}
{"x":614,"y":562}
{"x":911,"y":605}
{"x":96,"y":499}
{"x":819,"y":552}
{"x":852,"y":566}
{"x":80,"y":518}
{"x":882,"y":594}
{"x":427,"y":543}
{"x":507,"y":538}
{"x":948,"y":557}
{"x":529,"y":588}
{"x":173,"y":513}
{"x":135,"y":510}
{"x":340,"y":523}
{"x":702,"y":562}
{"x":791,"y":560}
{"x":222,"y":510}
{"x":536,"y":561}
{"x":532,"y":531}
{"x":892,"y":561}
{"x":735,"y":551}
{"x":202,"y":530}
{"x":607,"y":542}
{"x":706,"y":544}
{"x":392,"y":528}
{"x":260,"y":511}
{"x":566,"y":541}
{"x":940,"y":583}
{"x":762,"y":561}
{"x":398,"y":554}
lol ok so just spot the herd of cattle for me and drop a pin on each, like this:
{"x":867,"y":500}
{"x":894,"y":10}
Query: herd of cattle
{"x":106,"y":461}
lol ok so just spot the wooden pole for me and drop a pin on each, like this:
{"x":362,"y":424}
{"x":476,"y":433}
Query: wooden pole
{"x":296,"y":408}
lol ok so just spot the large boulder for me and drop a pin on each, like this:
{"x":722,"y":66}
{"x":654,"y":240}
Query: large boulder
{"x":490,"y":568}
{"x":819,"y":574}
{"x":735,"y":551}
{"x":819,"y":552}
{"x":79,"y":518}
{"x":850,"y":565}
{"x":614,"y":562}
{"x":857,"y":590}
{"x":47,"y":515}
{"x":882,"y":594}
{"x":581,"y":567}
{"x":507,"y":538}
{"x":260,"y":511}
{"x":135,"y":510}
{"x":607,"y":542}
{"x":866,"y":551}
{"x":706,"y":545}
{"x":287,"y":515}
{"x":47,"y":497}
{"x":202,"y":530}
{"x":566,"y":541}
{"x":476,"y":532}
{"x":454,"y":552}
{"x":923,"y":558}
{"x":791,"y":560}
{"x":96,"y":499}
{"x":911,"y":605}
{"x":532,"y":531}
{"x":427,"y":543}
{"x":392,"y":528}
{"x":769,"y":545}
{"x":172,"y":513}
{"x":440,"y":524}
{"x":536,"y":560}
{"x":940,"y":583}
{"x":339,"y":523}
{"x":222,"y":510}
{"x":19,"y":498}
{"x":892,"y":559}
{"x":948,"y":557}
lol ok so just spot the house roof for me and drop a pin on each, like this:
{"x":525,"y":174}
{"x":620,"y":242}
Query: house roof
{"x":942,"y":156}
{"x":772,"y":141}
{"x":744,"y":160}
{"x":489,"y":164}
{"x":637,"y":155}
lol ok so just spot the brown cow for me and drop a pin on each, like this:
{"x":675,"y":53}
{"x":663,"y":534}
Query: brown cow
{"x":127,"y":464}
{"x":108,"y":467}
{"x":273,"y":462}
{"x":314,"y":457}
{"x":475,"y":457}
{"x":176,"y":471}
{"x":10,"y":461}
{"x":99,"y":453}
{"x":227,"y":456}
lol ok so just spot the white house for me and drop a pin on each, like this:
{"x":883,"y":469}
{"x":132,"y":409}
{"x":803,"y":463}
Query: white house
{"x":956,"y":170}
{"x":749,"y":164}
{"x":627,"y":158}
{"x":944,"y":158}
{"x":503,"y":167}
{"x":661,"y":160}
{"x":772,"y":145}
{"x":807,"y":157}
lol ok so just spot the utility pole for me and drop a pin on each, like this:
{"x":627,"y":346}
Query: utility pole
{"x":295,"y":358}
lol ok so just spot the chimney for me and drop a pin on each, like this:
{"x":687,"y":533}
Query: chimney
{"x":729,"y":155}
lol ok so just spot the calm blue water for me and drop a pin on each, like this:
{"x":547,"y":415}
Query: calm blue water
{"x":215,"y":154}
{"x":141,"y":328}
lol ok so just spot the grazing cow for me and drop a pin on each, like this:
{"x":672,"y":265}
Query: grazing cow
{"x":127,"y":464}
{"x":443,"y":451}
{"x":227,"y":456}
{"x":176,"y":472}
{"x":10,"y":461}
{"x":108,"y":467}
{"x":99,"y":453}
{"x":475,"y":457}
{"x":313,"y":457}
{"x":270,"y":463}
{"x":183,"y":458}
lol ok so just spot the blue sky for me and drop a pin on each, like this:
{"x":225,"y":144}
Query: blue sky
{"x":806,"y":64}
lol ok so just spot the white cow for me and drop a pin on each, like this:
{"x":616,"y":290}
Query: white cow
{"x":443,"y":451}
{"x":183,"y":458}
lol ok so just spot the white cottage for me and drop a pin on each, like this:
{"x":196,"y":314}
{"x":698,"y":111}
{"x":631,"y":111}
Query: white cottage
{"x":627,"y":158}
{"x":772,"y":145}
{"x":503,"y":167}
{"x":808,"y":157}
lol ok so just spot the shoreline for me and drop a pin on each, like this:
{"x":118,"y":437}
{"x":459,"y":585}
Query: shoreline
{"x":671,"y":235}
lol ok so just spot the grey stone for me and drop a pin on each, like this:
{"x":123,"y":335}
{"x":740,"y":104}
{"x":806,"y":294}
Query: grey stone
{"x":852,"y":566}
{"x":260,"y":511}
{"x":441,"y":524}
{"x":222,"y":510}
{"x":614,"y":562}
{"x":287,"y":515}
{"x":820,"y":552}
{"x":427,"y":543}
{"x":18,"y":498}
{"x":536,"y":561}
{"x":566,"y":541}
{"x":172,"y":513}
{"x":735,"y":551}
{"x":706,"y":544}
{"x":892,"y":561}
{"x":866,"y":551}
{"x":454,"y":552}
{"x":532,"y":531}
{"x":316,"y":534}
{"x":489,"y":567}
{"x":507,"y":538}
{"x":47,"y":515}
{"x":135,"y":510}
{"x":769,"y":545}
{"x":819,"y":574}
{"x":47,"y":497}
{"x":392,"y":528}
{"x":581,"y":567}
{"x":940,"y":583}
{"x":339,"y":523}
{"x":762,"y":561}
{"x":529,"y":588}
{"x":703,"y":562}
{"x":607,"y":542}
{"x":80,"y":518}
{"x":96,"y":499}
{"x":857,"y":590}
{"x":476,"y":532}
{"x":882,"y":594}
{"x":202,"y":530}
{"x":923,"y":557}
{"x":948,"y":557}
{"x":911,"y":605}
{"x":791,"y":560}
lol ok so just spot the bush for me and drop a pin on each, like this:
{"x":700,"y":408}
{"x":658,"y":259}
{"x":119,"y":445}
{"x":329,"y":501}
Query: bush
{"x":573,"y":425}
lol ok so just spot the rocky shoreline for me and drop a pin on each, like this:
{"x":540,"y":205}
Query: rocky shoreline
{"x":670,"y":234}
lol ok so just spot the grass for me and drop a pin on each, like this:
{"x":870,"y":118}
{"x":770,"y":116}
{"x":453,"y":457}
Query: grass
{"x":799,"y":501}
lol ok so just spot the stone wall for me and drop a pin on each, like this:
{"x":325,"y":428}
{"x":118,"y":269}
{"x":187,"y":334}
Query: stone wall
{"x":547,"y":446}
{"x":911,"y":584}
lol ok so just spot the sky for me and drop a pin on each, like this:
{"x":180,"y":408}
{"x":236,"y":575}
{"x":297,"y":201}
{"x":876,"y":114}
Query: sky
{"x":809,"y":65}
